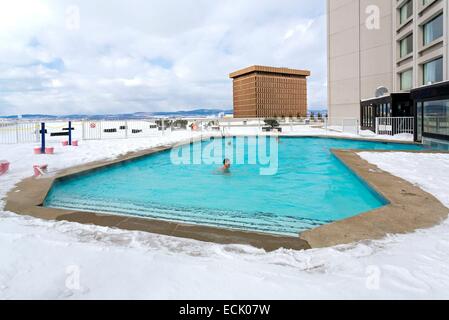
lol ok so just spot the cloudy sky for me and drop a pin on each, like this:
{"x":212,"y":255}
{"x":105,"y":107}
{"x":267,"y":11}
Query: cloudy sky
{"x":116,"y":56}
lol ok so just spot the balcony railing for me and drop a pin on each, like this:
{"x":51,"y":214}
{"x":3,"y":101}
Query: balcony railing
{"x":395,"y":125}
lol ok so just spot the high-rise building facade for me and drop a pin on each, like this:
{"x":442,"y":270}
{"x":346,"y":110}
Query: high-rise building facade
{"x":420,"y":54}
{"x":360,"y":56}
{"x":390,"y":58}
{"x":397,"y":44}
{"x":262,"y":92}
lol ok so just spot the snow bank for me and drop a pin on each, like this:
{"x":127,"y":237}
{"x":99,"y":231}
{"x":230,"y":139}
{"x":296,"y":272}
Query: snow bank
{"x":429,"y":171}
{"x":398,"y":137}
{"x":61,"y":260}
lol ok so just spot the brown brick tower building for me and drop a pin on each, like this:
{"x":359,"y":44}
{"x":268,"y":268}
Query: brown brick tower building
{"x":262,"y":92}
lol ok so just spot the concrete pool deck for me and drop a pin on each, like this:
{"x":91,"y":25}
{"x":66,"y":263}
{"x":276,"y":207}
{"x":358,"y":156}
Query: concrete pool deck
{"x":409,"y":209}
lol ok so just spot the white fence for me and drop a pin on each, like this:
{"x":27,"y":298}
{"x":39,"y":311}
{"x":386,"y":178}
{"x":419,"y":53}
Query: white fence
{"x":57,"y":131}
{"x":19,"y":132}
{"x":127,"y":129}
{"x":393,"y":126}
{"x":106,"y":129}
{"x":347,"y":125}
{"x":98,"y":130}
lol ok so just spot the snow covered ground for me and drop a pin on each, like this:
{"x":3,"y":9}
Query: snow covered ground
{"x":61,"y":260}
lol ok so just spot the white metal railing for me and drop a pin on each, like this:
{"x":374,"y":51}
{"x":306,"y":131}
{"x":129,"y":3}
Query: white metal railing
{"x":395,"y":125}
{"x":19,"y":132}
{"x":127,"y":129}
{"x":347,"y":125}
{"x":259,"y":125}
{"x":122,"y":129}
{"x":57,"y":130}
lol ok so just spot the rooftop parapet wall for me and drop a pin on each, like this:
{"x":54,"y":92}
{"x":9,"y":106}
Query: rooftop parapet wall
{"x":273,"y":70}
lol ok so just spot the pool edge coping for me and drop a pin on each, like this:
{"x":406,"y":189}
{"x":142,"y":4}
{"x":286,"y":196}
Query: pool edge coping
{"x":28,"y":196}
{"x":409,"y":207}
{"x":375,"y":224}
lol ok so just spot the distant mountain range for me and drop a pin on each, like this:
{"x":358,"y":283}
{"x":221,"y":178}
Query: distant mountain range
{"x":198,"y":113}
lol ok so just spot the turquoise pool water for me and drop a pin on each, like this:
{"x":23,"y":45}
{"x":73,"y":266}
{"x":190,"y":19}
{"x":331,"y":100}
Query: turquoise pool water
{"x":309,"y":187}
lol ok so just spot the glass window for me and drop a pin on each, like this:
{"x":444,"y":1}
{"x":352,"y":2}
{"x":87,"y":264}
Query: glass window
{"x":406,"y":45}
{"x":436,"y":117}
{"x":433,"y":29}
{"x":383,"y":110}
{"x":406,"y":79}
{"x":433,"y":71}
{"x":405,"y":12}
{"x":367,"y":115}
{"x":364,"y":115}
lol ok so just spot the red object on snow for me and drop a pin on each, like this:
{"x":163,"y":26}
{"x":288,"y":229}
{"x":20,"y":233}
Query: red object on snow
{"x":37,"y":150}
{"x":65,"y":143}
{"x":40,"y":170}
{"x":75,"y":143}
{"x":49,"y":150}
{"x":4,"y":167}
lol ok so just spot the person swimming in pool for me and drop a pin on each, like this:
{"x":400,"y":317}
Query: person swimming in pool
{"x":226,"y":166}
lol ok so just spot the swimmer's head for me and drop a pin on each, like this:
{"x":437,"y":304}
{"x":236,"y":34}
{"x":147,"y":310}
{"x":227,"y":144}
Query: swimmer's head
{"x":227,"y":163}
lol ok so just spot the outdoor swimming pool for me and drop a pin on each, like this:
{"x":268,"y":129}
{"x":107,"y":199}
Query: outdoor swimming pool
{"x":306,"y":186}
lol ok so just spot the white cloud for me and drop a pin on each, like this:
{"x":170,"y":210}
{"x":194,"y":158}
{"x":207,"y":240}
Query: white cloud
{"x":139,"y":55}
{"x":302,"y":29}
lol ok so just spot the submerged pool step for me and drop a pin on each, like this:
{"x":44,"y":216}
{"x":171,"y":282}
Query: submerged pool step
{"x":258,"y":221}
